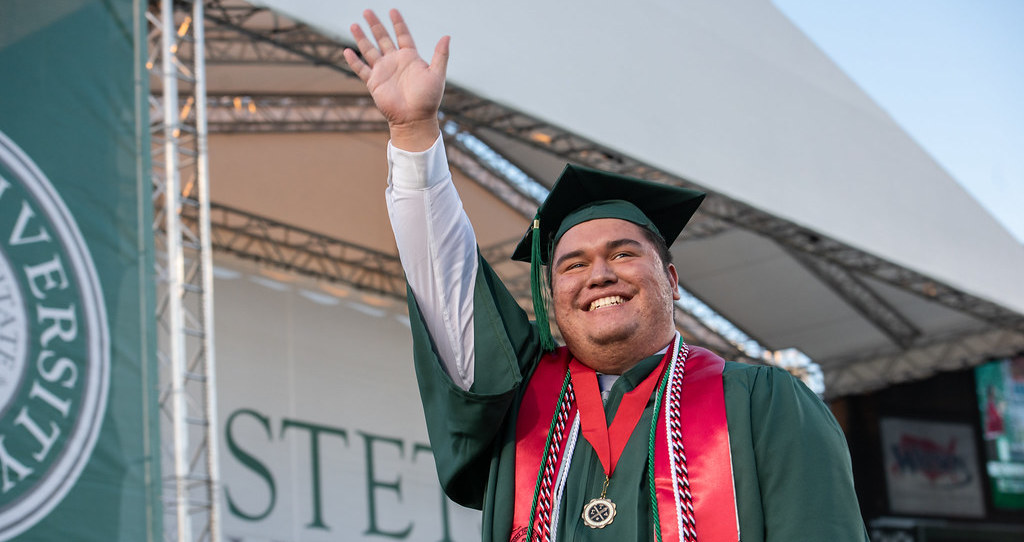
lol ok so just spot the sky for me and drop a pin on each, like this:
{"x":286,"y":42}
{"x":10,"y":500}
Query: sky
{"x":950,"y":72}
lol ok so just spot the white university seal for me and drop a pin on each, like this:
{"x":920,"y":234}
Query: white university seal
{"x":54,"y":346}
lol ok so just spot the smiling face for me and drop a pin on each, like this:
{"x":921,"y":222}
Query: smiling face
{"x":612,"y":294}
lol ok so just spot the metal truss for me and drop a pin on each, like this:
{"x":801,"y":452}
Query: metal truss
{"x":465,"y":161}
{"x":302,"y":251}
{"x":266,"y":37}
{"x":294,"y":113}
{"x":184,"y":279}
{"x":863,"y":299}
{"x":703,"y":226}
{"x":875,"y":370}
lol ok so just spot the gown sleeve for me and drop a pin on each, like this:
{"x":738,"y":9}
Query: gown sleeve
{"x":803,"y":467}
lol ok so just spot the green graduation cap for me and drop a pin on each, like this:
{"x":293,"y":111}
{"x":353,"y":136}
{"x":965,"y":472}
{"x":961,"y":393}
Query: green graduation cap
{"x":581,"y":194}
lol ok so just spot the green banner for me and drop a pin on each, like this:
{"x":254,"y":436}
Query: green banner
{"x":79,"y":448}
{"x":1000,"y":388}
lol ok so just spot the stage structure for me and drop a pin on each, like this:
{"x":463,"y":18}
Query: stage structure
{"x":184,"y":270}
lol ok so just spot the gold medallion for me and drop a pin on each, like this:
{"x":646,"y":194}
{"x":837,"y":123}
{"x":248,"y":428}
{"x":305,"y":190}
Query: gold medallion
{"x":598,"y":513}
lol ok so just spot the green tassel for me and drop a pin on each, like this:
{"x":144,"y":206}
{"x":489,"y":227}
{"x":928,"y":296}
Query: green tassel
{"x":538,"y":289}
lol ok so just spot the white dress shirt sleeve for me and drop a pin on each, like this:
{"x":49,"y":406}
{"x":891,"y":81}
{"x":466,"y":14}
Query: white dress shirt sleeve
{"x":438,"y":250}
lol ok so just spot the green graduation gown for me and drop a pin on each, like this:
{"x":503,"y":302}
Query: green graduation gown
{"x":791,"y":467}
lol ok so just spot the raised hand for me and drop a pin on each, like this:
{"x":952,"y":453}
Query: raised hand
{"x":405,"y":88}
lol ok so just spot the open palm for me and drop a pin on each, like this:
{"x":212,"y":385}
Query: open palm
{"x":405,"y":88}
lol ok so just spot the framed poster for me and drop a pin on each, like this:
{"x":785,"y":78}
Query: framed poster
{"x":931,"y":468}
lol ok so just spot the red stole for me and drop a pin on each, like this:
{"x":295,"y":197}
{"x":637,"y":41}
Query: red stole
{"x":704,"y":433}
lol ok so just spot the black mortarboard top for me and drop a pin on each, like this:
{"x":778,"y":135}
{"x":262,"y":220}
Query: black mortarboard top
{"x":581,"y":194}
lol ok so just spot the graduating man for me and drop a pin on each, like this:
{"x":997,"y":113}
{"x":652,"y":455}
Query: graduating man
{"x":624,"y":433}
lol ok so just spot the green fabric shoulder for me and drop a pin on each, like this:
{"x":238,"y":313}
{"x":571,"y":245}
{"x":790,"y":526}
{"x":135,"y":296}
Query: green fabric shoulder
{"x":791,"y":463}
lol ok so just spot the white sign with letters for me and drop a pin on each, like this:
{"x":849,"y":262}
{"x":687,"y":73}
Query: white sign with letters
{"x":931,"y":468}
{"x":322,"y":431}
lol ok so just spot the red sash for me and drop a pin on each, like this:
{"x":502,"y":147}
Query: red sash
{"x":705,"y":438}
{"x":532,"y":426}
{"x":708,"y":460}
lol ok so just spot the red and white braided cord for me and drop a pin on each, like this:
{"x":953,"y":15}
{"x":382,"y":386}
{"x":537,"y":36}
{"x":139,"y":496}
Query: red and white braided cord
{"x":542,"y":523}
{"x":677,"y":454}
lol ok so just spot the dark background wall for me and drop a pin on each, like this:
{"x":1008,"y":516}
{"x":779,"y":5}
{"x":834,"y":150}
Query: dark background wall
{"x":947,"y":397}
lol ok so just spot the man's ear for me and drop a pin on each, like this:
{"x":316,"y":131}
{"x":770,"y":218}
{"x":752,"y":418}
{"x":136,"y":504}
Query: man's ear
{"x":673,"y":280}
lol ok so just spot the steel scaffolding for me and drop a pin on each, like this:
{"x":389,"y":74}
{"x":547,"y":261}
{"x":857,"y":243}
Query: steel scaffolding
{"x":188,"y":402}
{"x":301,"y":251}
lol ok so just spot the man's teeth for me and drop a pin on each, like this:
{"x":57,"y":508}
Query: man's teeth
{"x":606,"y":302}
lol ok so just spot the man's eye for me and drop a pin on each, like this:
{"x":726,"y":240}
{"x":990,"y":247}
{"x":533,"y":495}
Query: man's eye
{"x":618,"y":255}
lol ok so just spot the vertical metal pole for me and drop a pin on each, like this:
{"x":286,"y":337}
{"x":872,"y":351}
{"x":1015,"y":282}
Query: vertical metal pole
{"x":206,"y":259}
{"x":176,"y":270}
